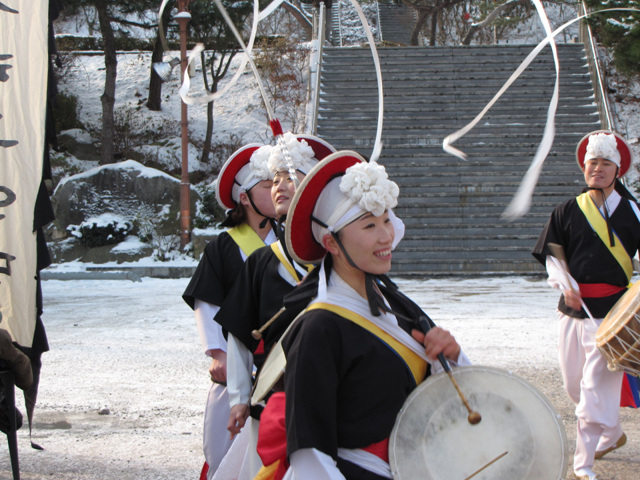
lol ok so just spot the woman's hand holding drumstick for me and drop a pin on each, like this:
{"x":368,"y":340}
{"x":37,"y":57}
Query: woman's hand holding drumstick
{"x":439,"y":343}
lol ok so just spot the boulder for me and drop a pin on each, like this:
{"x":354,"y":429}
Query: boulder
{"x":146,"y":197}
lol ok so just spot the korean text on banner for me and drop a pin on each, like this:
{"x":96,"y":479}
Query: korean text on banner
{"x":23,"y":87}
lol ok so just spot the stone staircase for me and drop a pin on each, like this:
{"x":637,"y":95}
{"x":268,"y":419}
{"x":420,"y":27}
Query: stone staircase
{"x":452,"y":208}
{"x":396,"y":22}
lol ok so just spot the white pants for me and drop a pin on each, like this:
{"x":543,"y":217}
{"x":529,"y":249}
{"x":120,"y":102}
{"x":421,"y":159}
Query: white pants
{"x":216,"y":437}
{"x":593,"y":388}
{"x":242,"y":461}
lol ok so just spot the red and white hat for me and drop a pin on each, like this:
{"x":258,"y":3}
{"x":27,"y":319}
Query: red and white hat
{"x":244,"y":169}
{"x":604,"y":144}
{"x":337,"y":191}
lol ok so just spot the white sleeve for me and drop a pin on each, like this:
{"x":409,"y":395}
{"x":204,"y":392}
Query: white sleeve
{"x":312,"y":463}
{"x":209,"y":331}
{"x":461,"y":361}
{"x":559,"y":277}
{"x":239,"y":371}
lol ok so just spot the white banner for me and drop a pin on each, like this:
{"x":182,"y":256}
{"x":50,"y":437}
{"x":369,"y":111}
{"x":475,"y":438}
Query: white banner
{"x":23,"y":88}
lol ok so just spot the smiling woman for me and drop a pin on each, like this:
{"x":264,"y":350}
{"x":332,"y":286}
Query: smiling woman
{"x":357,"y":336}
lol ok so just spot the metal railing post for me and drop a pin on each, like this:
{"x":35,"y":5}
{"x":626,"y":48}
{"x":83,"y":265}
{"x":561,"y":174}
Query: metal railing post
{"x":597,"y":78}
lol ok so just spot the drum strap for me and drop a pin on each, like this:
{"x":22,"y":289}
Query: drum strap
{"x":599,"y":225}
{"x":276,"y":247}
{"x":414,"y":363}
{"x":246,"y":238}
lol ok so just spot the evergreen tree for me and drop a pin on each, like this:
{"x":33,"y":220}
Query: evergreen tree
{"x":619,"y":30}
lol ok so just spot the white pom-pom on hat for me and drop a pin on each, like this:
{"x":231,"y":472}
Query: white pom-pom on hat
{"x":604,"y":144}
{"x":304,"y":152}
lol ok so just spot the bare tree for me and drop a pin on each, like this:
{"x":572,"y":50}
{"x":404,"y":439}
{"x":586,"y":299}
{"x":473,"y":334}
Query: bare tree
{"x":429,"y":9}
{"x":154,"y":102}
{"x":111,"y":14}
{"x":490,"y":18}
{"x":208,"y":27}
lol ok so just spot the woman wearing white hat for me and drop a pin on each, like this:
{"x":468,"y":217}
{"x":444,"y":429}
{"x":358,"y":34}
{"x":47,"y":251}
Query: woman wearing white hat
{"x":243,"y":188}
{"x":256,"y":297}
{"x":598,"y":233}
{"x":354,"y":355}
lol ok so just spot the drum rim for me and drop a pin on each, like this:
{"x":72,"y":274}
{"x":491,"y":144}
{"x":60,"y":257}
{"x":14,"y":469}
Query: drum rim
{"x":545,"y":401}
{"x":608,"y":328}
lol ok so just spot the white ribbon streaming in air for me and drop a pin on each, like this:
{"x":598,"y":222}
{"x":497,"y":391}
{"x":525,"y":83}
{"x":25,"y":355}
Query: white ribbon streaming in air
{"x":519,"y":205}
{"x":257,"y":17}
{"x":377,"y":146}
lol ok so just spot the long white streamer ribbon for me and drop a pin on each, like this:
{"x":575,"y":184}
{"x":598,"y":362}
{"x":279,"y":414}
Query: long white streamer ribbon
{"x":258,"y":16}
{"x":522,"y":200}
{"x":377,"y":145}
{"x":210,"y":97}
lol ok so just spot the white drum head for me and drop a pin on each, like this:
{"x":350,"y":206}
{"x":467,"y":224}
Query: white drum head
{"x":433,"y":440}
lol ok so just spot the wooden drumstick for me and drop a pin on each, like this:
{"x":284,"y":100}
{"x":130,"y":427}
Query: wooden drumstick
{"x":558,"y":252}
{"x":474,"y":417}
{"x":488,"y":464}
{"x":257,"y":334}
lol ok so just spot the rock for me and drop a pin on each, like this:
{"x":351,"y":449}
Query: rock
{"x":147,"y":197}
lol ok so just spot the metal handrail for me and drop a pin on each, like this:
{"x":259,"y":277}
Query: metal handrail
{"x":597,"y":77}
{"x":339,"y":23}
{"x":315,"y":64}
{"x":378,"y":20}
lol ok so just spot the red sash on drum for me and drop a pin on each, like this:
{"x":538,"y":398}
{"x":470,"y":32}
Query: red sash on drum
{"x":203,"y":472}
{"x":630,"y":391}
{"x":380,"y":449}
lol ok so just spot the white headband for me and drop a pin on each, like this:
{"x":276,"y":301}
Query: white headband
{"x":603,"y":145}
{"x":252,"y":173}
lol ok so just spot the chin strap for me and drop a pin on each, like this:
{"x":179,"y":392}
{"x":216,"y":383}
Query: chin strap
{"x":374,"y":296}
{"x":612,"y":241}
{"x":257,"y":210}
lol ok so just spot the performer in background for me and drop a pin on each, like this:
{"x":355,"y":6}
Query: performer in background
{"x":355,"y":354}
{"x":243,"y":188}
{"x":257,"y":295}
{"x":599,"y":234}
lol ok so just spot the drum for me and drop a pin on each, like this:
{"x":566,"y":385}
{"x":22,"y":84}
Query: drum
{"x":521,"y":436}
{"x":618,"y":337}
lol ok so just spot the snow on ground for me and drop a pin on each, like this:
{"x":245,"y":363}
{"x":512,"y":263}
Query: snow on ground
{"x":123,"y":388}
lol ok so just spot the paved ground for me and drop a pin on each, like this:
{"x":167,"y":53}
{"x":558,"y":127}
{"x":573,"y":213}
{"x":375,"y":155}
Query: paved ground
{"x":131,"y":347}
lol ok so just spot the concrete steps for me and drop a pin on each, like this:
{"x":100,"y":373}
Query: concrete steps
{"x":452,"y":208}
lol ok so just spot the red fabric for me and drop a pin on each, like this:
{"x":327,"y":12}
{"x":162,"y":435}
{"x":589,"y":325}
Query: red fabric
{"x":260,"y":347}
{"x":380,"y":449}
{"x":630,"y":394}
{"x":597,"y":290}
{"x":272,"y":434}
{"x":203,"y":473}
